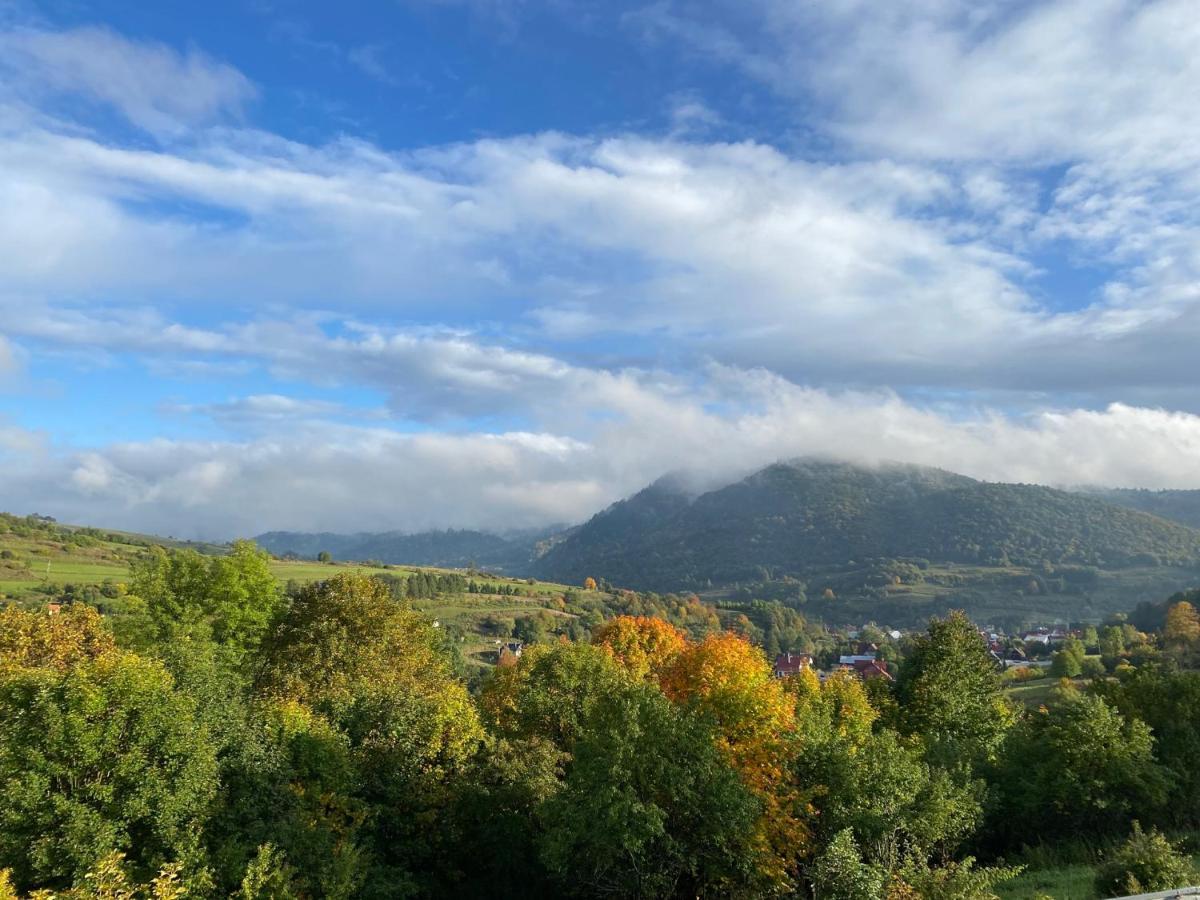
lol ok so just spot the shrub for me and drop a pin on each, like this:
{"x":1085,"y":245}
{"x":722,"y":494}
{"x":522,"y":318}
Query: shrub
{"x":961,"y":880}
{"x":840,"y":873}
{"x":1146,"y":862}
{"x":1019,"y":674}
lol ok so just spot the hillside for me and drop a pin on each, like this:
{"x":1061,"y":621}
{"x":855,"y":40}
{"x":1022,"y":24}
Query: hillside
{"x":1178,"y":506}
{"x":448,"y":549}
{"x":793,"y":519}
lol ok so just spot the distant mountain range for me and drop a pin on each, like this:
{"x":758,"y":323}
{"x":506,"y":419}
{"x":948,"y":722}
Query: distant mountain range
{"x":793,"y":518}
{"x":451,"y":549}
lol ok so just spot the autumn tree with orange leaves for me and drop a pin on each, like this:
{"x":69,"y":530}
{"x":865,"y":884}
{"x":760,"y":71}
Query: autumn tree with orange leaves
{"x":727,"y":679}
{"x":646,"y":647}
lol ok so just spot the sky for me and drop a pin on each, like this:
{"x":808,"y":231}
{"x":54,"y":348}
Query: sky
{"x":495,"y":264}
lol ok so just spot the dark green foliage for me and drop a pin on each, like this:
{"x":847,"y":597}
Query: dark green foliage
{"x":791,"y":519}
{"x":1178,"y":506}
{"x":1076,"y":767}
{"x":649,"y":808}
{"x":1169,"y":703}
{"x":445,"y":549}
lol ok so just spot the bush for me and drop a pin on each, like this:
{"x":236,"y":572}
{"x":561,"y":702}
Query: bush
{"x":1146,"y":862}
{"x":1093,"y":668}
{"x":961,"y":880}
{"x":840,"y":873}
{"x":1020,"y":674}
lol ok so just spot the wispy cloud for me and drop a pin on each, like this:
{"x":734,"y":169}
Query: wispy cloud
{"x":153,"y":86}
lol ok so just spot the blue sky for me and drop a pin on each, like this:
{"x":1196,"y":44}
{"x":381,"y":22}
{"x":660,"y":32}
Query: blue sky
{"x":496,"y":263}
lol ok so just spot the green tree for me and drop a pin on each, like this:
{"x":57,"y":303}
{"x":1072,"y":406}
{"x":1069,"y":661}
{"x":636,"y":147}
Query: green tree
{"x":376,"y":670}
{"x":1078,"y":766}
{"x":649,"y":808}
{"x":1169,"y":703}
{"x":1112,"y":642}
{"x":840,"y":873}
{"x":184,"y":595}
{"x":949,"y":694}
{"x":1068,"y":661}
{"x":104,"y":757}
{"x":550,"y":693}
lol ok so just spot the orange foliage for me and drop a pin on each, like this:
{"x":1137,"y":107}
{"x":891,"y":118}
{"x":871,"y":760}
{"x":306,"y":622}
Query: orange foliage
{"x":645,"y":646}
{"x":589,"y":583}
{"x":730,"y":680}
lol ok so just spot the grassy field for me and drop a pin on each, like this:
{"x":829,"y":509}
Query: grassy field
{"x":1065,"y":883}
{"x":1069,"y":881}
{"x":38,"y":563}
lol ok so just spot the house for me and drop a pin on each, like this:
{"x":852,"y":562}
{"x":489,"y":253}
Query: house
{"x":791,"y":664}
{"x":854,"y":659}
{"x":868,"y":668}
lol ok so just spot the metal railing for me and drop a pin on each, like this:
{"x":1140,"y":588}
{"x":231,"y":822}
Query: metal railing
{"x":1172,"y":894}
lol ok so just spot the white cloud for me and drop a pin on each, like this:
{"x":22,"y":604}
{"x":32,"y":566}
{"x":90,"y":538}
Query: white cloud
{"x":731,"y":250}
{"x":312,"y":475}
{"x":153,"y":86}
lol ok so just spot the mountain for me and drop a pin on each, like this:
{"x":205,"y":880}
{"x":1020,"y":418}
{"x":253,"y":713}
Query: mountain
{"x":1178,"y":506}
{"x":447,"y":549}
{"x":794,"y":518}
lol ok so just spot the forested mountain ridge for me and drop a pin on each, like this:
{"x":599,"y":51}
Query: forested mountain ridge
{"x":456,"y":549}
{"x":791,"y":518}
{"x":1176,"y":505}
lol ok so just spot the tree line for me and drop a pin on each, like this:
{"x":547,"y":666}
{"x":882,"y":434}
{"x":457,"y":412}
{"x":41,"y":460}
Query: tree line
{"x":221,"y":737}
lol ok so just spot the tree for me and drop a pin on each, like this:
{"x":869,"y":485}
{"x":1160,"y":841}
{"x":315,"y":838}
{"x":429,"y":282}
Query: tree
{"x":184,"y":595}
{"x":104,"y":757}
{"x":290,"y":784}
{"x":840,"y":873}
{"x":75,"y":635}
{"x":647,"y":647}
{"x":1146,"y":862}
{"x":1078,"y":766}
{"x":1068,"y":661}
{"x":589,"y":583}
{"x":729,"y":681}
{"x":1182,"y":628}
{"x":949,"y":694}
{"x":324,"y":557}
{"x":1112,"y":642}
{"x":1169,"y":703}
{"x":873,"y":782}
{"x":550,"y":693}
{"x":376,"y":670}
{"x":650,"y":808}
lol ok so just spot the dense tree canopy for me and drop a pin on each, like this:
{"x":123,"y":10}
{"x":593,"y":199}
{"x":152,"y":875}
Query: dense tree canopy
{"x":225,"y":739}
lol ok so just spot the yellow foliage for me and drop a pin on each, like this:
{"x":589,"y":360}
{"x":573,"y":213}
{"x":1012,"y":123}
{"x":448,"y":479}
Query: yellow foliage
{"x":36,"y":640}
{"x":646,"y":646}
{"x":1183,"y":625}
{"x":730,"y":680}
